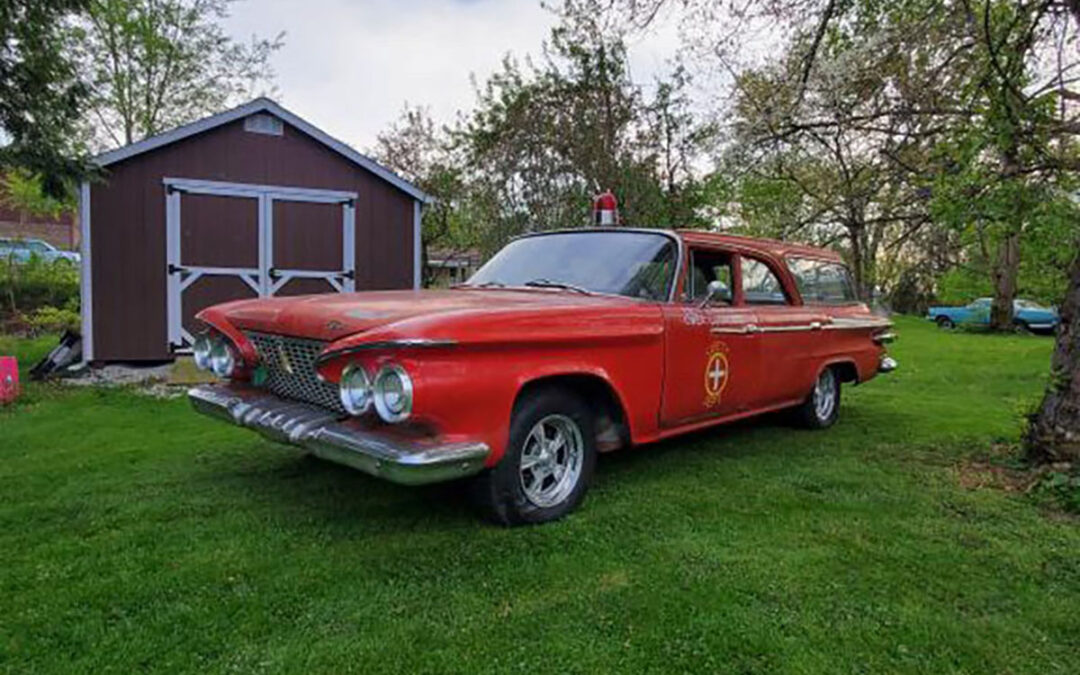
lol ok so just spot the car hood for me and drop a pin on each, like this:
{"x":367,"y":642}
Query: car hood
{"x":410,"y":314}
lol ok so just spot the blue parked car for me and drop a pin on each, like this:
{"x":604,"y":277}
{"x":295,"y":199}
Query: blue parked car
{"x":21,"y":250}
{"x":1027,"y":315}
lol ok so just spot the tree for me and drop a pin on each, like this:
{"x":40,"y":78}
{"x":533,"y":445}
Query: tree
{"x":40,"y":96}
{"x":546,"y":137}
{"x":423,"y":153}
{"x":155,"y":64}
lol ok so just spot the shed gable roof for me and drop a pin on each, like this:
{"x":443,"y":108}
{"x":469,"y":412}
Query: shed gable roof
{"x":263,"y":105}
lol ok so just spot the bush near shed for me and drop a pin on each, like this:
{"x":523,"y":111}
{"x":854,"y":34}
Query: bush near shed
{"x":38,"y":296}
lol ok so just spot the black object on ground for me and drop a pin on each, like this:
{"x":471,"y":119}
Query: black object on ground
{"x":62,"y":355}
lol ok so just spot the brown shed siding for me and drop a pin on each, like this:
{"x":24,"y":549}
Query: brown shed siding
{"x":127,"y":224}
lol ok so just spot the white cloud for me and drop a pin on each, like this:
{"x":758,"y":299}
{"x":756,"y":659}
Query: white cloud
{"x":349,"y":66}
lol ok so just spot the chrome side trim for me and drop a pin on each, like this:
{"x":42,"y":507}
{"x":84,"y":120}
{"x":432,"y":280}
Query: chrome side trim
{"x":325,"y":435}
{"x":405,"y":343}
{"x":835,"y":324}
{"x":734,"y":330}
{"x":844,"y":323}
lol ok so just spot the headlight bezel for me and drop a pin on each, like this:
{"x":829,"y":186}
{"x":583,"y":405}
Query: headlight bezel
{"x":351,"y":371}
{"x":392,"y":413}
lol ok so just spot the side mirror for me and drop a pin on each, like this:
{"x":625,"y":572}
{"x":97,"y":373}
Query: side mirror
{"x":714,"y":289}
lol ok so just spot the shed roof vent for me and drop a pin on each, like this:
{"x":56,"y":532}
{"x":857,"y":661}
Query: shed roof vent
{"x":262,"y":123}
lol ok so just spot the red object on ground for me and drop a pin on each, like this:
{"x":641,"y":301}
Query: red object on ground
{"x":9,"y":379}
{"x":606,"y":210}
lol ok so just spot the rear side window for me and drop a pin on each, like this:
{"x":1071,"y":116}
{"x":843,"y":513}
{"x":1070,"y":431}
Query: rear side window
{"x":822,"y":282}
{"x":760,"y":286}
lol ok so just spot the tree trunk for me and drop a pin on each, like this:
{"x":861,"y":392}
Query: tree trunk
{"x":859,"y":262}
{"x":1006,"y":270}
{"x":1054,"y":434}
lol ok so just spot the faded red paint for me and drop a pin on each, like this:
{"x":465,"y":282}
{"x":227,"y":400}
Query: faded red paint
{"x":658,"y":358}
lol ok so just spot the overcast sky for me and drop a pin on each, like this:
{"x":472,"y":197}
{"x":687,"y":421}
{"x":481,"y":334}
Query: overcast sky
{"x":349,"y":66}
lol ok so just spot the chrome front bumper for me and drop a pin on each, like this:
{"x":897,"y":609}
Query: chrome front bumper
{"x":321,"y":432}
{"x":887,"y":364}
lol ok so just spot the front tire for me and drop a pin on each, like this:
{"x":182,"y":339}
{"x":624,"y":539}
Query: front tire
{"x":822,"y":406}
{"x":548,"y":464}
{"x":945,"y":322}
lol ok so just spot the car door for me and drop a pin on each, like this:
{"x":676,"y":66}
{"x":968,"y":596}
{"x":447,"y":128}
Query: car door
{"x":791,"y":338}
{"x":710,"y":349}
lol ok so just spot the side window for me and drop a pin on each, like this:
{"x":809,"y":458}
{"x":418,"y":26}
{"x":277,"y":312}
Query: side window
{"x":820,"y":281}
{"x":706,"y":267}
{"x":760,"y":286}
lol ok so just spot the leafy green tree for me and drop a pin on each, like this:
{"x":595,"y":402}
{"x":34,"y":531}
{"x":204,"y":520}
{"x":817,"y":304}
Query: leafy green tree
{"x":41,"y":97}
{"x":24,"y":192}
{"x":546,"y":137}
{"x":155,"y":64}
{"x":424,"y":154}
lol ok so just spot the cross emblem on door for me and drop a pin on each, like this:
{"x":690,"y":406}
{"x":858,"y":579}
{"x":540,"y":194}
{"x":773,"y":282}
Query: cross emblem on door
{"x":716,"y":375}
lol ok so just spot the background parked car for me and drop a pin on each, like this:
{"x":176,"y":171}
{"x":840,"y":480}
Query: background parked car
{"x":21,"y":250}
{"x":1027,"y":315}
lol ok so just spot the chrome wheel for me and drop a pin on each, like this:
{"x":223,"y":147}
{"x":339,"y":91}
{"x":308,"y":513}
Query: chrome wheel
{"x":551,"y":460}
{"x":825,"y":395}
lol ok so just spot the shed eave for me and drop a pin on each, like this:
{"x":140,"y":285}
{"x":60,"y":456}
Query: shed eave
{"x":262,"y":104}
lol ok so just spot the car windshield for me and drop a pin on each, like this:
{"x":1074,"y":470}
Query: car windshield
{"x":634,"y":264}
{"x":1028,"y":304}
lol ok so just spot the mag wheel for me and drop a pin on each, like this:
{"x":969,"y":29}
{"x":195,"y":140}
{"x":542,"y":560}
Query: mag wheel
{"x":822,"y":406}
{"x":548,"y":463}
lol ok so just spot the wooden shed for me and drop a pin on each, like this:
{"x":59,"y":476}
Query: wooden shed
{"x":252,"y":202}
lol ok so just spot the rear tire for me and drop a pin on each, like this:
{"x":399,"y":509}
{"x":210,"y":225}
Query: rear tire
{"x":548,"y":464}
{"x":945,"y":322}
{"x":822,"y":406}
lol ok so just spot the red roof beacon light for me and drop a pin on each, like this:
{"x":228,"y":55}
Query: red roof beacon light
{"x":605,"y":210}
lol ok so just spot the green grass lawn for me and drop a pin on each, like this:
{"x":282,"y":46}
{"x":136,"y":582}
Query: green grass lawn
{"x":136,"y":535}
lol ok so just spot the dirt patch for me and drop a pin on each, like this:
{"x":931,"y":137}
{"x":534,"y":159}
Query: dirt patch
{"x":977,"y":474}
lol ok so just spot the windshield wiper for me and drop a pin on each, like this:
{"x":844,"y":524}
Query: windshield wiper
{"x":548,"y":283}
{"x":482,"y":284}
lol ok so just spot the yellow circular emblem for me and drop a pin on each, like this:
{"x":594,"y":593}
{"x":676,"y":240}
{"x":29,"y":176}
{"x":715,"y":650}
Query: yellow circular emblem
{"x":716,"y":374}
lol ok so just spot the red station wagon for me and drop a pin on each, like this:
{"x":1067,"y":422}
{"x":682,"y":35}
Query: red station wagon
{"x":564,"y":345}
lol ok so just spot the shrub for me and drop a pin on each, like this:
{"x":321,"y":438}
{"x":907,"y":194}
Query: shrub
{"x":52,"y":320}
{"x":37,"y":283}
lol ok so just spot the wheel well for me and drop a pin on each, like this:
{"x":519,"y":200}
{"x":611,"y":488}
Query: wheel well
{"x":612,"y":431}
{"x":846,"y":371}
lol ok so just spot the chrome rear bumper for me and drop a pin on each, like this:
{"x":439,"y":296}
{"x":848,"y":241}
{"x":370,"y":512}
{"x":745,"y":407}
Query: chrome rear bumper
{"x":320,"y":432}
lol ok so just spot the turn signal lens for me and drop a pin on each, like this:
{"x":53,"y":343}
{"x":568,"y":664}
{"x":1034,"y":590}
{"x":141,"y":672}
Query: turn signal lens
{"x":393,"y":393}
{"x":355,"y":390}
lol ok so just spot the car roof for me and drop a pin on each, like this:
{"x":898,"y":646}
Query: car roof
{"x":774,"y":247}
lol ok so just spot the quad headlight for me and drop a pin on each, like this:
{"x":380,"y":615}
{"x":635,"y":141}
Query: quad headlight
{"x":222,"y":358}
{"x":354,"y":390}
{"x":215,"y":353}
{"x":393,"y":393}
{"x":201,"y":351}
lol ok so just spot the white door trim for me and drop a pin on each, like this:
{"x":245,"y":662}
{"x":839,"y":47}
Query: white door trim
{"x":180,"y":276}
{"x":86,"y":290}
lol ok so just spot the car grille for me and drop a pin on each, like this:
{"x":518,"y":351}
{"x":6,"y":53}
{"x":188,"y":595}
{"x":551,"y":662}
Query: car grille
{"x":289,"y":363}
